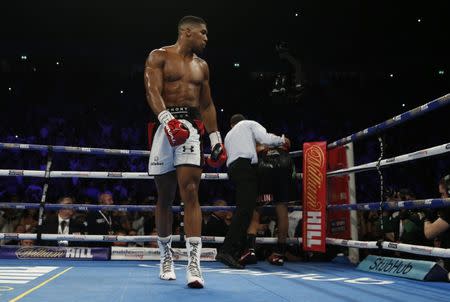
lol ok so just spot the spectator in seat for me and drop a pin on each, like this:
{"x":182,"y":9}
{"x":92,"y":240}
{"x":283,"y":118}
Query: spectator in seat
{"x":437,"y":223}
{"x":62,"y":223}
{"x":9,"y":220}
{"x":27,"y":242}
{"x":102,"y":222}
{"x":411,"y":226}
{"x":217,"y":224}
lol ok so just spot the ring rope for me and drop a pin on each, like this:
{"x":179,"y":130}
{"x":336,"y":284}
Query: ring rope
{"x":396,"y":120}
{"x":72,"y":149}
{"x":394,"y":205}
{"x":98,"y":174}
{"x":391,"y":205}
{"x":121,"y":208}
{"x":424,"y":153}
{"x":407,"y":248}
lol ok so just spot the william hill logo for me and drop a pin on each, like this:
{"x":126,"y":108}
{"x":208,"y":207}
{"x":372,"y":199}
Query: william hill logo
{"x":39,"y":253}
{"x":53,"y":253}
{"x":314,"y":181}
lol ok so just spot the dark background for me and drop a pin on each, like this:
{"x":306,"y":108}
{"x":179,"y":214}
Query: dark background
{"x":347,"y":49}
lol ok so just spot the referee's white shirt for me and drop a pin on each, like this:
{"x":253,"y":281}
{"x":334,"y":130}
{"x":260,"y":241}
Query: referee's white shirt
{"x":241,"y":140}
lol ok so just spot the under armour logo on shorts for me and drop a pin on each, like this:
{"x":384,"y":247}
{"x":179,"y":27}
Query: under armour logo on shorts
{"x":191,"y":148}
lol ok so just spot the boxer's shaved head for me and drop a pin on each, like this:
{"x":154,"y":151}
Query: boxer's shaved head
{"x":190,"y":21}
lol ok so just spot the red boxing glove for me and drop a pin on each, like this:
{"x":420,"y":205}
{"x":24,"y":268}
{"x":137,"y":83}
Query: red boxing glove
{"x":218,"y":153}
{"x":177,"y":133}
{"x":218,"y":156}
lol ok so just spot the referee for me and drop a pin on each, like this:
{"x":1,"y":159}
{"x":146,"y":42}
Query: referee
{"x":240,"y":143}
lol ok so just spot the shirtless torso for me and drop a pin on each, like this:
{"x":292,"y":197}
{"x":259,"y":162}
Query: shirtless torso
{"x":182,"y":78}
{"x":177,"y":80}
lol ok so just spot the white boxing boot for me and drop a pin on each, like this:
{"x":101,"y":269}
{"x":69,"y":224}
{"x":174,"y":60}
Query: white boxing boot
{"x":166,"y":267}
{"x":193,"y":272}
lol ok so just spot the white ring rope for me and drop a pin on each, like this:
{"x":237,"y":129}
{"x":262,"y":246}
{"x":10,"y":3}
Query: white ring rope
{"x":90,"y":150}
{"x":98,"y":174}
{"x":433,"y":151}
{"x":114,"y":238}
{"x":398,"y":119}
{"x":407,"y":248}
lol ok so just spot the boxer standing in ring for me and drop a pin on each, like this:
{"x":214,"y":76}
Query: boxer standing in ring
{"x":178,"y":92}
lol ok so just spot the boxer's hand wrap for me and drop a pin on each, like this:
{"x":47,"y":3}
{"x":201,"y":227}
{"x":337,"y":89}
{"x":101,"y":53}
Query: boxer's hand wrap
{"x":177,"y":133}
{"x":218,"y":153}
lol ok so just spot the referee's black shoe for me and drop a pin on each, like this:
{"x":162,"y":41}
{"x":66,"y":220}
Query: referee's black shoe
{"x":228,"y":260}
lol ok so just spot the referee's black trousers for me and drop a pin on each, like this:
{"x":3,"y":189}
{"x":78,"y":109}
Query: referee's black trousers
{"x":244,"y":176}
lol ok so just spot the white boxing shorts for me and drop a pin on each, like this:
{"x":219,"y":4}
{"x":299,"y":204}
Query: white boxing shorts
{"x":164,"y":158}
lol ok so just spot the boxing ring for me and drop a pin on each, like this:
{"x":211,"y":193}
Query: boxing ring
{"x":338,"y":280}
{"x":138,"y":281}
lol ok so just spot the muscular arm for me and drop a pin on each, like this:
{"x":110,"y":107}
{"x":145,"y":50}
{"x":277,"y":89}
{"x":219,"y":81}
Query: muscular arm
{"x":153,"y":80}
{"x":207,"y":108}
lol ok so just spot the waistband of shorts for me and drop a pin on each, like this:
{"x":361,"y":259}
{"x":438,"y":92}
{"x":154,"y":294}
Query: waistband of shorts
{"x":185,"y":112}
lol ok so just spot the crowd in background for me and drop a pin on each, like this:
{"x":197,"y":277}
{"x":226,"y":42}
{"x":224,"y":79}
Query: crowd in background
{"x":402,"y":226}
{"x":67,"y":221}
{"x":100,"y":129}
